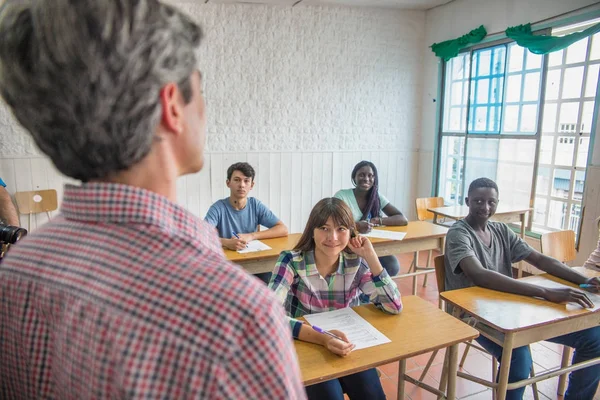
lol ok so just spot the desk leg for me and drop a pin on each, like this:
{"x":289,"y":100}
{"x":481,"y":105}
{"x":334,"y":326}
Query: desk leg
{"x":435,"y":217}
{"x":452,"y":368}
{"x":505,"y":366}
{"x":401,"y":372}
{"x":520,"y":265}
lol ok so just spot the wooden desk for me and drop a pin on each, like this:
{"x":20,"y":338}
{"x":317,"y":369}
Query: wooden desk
{"x":518,"y":321}
{"x":420,"y":236}
{"x":411,"y":333}
{"x":503,"y":214}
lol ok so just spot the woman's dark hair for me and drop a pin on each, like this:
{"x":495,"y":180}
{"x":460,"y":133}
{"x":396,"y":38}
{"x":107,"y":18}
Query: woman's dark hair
{"x":321,"y":212}
{"x":373,"y":206}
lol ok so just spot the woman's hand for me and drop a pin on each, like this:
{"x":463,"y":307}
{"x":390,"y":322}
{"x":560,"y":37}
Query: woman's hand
{"x":339,"y":347}
{"x":364,"y":226}
{"x":362,"y":247}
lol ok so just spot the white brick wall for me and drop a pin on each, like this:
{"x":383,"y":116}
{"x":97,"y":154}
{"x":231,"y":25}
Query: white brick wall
{"x":304,"y":78}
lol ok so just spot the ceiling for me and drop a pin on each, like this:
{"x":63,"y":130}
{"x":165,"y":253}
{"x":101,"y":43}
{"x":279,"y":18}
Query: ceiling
{"x":398,"y":4}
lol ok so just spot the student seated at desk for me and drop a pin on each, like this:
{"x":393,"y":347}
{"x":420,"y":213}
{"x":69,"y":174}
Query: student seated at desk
{"x":241,"y":215}
{"x":481,"y":253}
{"x":369,"y":206}
{"x":326,"y":271}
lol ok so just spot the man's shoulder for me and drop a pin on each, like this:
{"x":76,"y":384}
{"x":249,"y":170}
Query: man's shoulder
{"x":220,"y":204}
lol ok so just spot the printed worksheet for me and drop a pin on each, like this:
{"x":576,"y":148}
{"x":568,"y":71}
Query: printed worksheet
{"x":381,"y":234}
{"x":356,"y":328}
{"x":254,"y":245}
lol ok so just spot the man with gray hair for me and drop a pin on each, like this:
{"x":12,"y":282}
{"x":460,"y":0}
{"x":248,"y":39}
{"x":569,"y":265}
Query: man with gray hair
{"x":125,"y":294}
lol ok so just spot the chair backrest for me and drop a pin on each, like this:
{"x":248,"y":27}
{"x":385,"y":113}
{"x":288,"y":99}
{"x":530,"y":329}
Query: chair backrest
{"x":424,"y":203}
{"x":440,"y":273}
{"x":36,"y":201}
{"x":560,"y":245}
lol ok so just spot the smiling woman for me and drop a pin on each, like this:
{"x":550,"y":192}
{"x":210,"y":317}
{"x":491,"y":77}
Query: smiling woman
{"x":329,"y":269}
{"x":370,"y":208}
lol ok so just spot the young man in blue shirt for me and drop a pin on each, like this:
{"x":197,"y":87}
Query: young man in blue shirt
{"x":241,"y":215}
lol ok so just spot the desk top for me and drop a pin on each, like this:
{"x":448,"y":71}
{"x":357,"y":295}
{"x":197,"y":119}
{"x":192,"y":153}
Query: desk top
{"x":415,"y":230}
{"x":411,"y":333}
{"x":510,"y":312}
{"x":459,"y":212}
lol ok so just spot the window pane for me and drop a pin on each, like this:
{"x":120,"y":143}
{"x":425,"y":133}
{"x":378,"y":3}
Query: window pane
{"x":592,"y":80}
{"x":549,"y":123}
{"x":511,"y":118}
{"x":543,"y":181}
{"x":557,"y":214}
{"x":575,"y":218}
{"x":546,"y":148}
{"x":539,"y":214}
{"x":553,"y":84}
{"x":484,"y":59}
{"x":513,"y":88}
{"x":481,"y":116}
{"x":595,"y":53}
{"x":534,"y":61}
{"x":532,"y":86}
{"x":567,"y":120}
{"x":561,"y":183}
{"x":564,"y":150}
{"x":555,"y":58}
{"x":451,"y":169}
{"x":587,"y":116}
{"x":572,"y":83}
{"x":576,"y":52}
{"x":578,"y":186}
{"x":483,"y":90}
{"x":515,"y":58}
{"x":582,"y":152}
{"x":528,"y":118}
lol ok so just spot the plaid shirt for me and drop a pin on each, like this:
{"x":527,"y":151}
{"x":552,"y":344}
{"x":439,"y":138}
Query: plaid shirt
{"x":127,"y":295}
{"x":299,"y":286}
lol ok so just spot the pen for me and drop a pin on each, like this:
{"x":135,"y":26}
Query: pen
{"x":587,"y":286}
{"x":236,"y":236}
{"x":316,"y":328}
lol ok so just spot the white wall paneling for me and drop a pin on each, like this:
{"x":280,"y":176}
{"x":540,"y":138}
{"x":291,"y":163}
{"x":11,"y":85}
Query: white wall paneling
{"x":290,"y":183}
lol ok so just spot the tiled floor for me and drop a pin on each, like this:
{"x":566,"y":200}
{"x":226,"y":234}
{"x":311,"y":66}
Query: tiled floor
{"x":545,"y":355}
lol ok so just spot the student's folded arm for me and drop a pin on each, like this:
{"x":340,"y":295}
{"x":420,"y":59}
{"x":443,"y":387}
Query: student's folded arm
{"x":278,"y":230}
{"x":486,"y":278}
{"x":394,"y":216}
{"x":554,"y":267}
{"x":382,"y":291}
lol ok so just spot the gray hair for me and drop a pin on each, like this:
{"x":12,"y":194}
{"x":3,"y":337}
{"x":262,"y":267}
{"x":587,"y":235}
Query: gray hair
{"x":84,"y":76}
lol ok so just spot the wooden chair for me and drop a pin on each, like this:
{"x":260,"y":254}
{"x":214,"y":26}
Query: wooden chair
{"x":423,"y":204}
{"x":36,"y":201}
{"x":440,"y":275}
{"x":560,"y":245}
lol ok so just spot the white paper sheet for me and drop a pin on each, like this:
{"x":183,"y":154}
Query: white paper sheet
{"x":381,"y":234}
{"x":254,"y":245}
{"x":356,"y":328}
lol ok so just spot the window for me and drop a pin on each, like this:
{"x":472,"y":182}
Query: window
{"x":496,"y":122}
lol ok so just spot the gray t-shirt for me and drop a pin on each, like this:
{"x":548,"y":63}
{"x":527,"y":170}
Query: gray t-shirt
{"x":462,"y":242}
{"x":228,"y":220}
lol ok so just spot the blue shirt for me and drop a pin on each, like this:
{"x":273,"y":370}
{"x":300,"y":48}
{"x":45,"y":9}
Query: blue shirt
{"x":227,"y":219}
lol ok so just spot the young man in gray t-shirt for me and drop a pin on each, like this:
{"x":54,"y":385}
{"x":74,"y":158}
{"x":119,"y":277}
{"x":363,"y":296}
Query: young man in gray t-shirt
{"x":480,"y":253}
